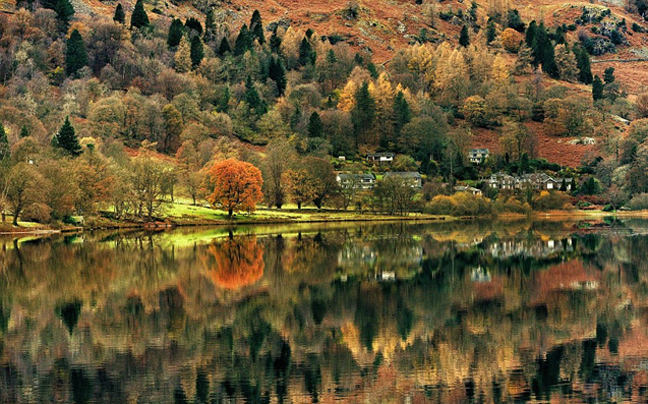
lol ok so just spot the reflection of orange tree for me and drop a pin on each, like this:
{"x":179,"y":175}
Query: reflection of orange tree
{"x":236,"y":262}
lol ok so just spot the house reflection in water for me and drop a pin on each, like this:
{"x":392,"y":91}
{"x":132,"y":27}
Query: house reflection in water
{"x":368,"y":260}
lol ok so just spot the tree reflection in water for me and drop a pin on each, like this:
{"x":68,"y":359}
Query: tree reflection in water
{"x":454,"y":313}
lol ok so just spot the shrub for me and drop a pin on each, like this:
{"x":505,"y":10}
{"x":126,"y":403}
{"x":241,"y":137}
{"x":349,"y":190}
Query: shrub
{"x":460,"y":204}
{"x":638,"y":202}
{"x":37,"y":212}
{"x":551,"y":200}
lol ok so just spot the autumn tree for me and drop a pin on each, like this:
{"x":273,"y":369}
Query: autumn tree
{"x":299,"y":185}
{"x":279,"y":158}
{"x":182,"y":57}
{"x":234,"y":186}
{"x":511,"y":40}
{"x":474,"y":109}
{"x":67,"y":140}
{"x":139,"y":18}
{"x":323,"y":179}
{"x":172,"y":127}
{"x":566,"y":63}
{"x":23,"y":186}
{"x":147,"y":177}
{"x":641,"y":105}
{"x":235,"y":262}
{"x":76,"y":56}
{"x":5,"y":151}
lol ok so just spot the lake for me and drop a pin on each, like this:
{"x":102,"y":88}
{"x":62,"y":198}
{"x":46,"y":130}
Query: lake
{"x":457,"y":312}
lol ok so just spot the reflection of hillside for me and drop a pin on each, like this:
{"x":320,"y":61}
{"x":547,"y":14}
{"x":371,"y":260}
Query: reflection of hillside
{"x":268,"y":319}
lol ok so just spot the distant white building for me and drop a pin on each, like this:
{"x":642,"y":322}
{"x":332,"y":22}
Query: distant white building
{"x":412,"y":177}
{"x":470,"y":190}
{"x":381,"y":158}
{"x":356,"y":181}
{"x":478,"y":156}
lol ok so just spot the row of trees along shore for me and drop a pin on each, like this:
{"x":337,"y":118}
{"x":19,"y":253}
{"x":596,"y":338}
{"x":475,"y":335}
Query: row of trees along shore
{"x":157,"y":100}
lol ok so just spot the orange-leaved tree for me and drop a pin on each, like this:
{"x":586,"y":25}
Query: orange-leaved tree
{"x":234,"y":186}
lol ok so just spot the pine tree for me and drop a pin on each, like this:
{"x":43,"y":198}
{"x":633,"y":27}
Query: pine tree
{"x":306,"y":53}
{"x":192,"y":24}
{"x":5,"y":151}
{"x":24,"y":132}
{"x":275,"y":42}
{"x":530,"y":34}
{"x":224,"y":47}
{"x":402,"y":113}
{"x":543,"y":52}
{"x":243,"y":41}
{"x":182,"y":57}
{"x":139,"y":18}
{"x":176,"y":31}
{"x":256,"y":27}
{"x":363,"y":113}
{"x":197,"y":52}
{"x":120,"y":16}
{"x":608,"y":75}
{"x":315,"y":126}
{"x":583,"y":64}
{"x":210,"y":25}
{"x":277,"y":72}
{"x":373,"y":71}
{"x":597,"y":88}
{"x":253,"y":99}
{"x":64,"y":11}
{"x":491,"y":33}
{"x":67,"y":140}
{"x":76,"y":56}
{"x":464,"y":38}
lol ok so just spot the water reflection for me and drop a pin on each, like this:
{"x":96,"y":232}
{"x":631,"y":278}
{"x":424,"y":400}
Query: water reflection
{"x":453,"y":313}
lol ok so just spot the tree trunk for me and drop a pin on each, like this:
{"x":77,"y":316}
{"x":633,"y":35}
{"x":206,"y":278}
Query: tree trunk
{"x":230,"y":213}
{"x":15,"y":217}
{"x":299,"y":205}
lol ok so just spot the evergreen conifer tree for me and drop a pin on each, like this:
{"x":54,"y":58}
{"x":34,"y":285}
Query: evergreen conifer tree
{"x":491,"y":33}
{"x":530,"y":34}
{"x":224,"y":47}
{"x":608,"y":75}
{"x":277,"y":72}
{"x":120,"y":16}
{"x":67,"y":140}
{"x":583,"y":64}
{"x":275,"y":42}
{"x":210,"y":25}
{"x":76,"y":56}
{"x":253,"y":99}
{"x":256,"y":27}
{"x":315,"y":126}
{"x":139,"y":18}
{"x":464,"y":38}
{"x":24,"y":132}
{"x":597,"y":88}
{"x":363,"y":113}
{"x":402,"y":113}
{"x":176,"y":31}
{"x":5,"y":151}
{"x":306,"y":53}
{"x":64,"y":11}
{"x":243,"y":41}
{"x":197,"y":52}
{"x":543,"y":52}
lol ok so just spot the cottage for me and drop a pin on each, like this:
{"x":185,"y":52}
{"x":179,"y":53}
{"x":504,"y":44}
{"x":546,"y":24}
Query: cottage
{"x":413,"y":178}
{"x":381,"y":158}
{"x":501,"y":181}
{"x":470,"y":190}
{"x":478,"y":156}
{"x":356,"y":181}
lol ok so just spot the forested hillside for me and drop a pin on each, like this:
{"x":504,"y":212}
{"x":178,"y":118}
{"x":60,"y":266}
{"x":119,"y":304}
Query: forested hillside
{"x":109,"y":106}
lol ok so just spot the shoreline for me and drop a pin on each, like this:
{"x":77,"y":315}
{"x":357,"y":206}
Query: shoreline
{"x":358,"y":218}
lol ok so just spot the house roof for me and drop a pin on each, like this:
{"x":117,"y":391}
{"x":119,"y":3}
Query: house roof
{"x":404,"y":174}
{"x":482,"y":151}
{"x":349,"y":176}
{"x":384,"y":154}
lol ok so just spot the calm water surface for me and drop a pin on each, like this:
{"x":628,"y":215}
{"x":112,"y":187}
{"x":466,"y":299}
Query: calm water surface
{"x":441,"y":313}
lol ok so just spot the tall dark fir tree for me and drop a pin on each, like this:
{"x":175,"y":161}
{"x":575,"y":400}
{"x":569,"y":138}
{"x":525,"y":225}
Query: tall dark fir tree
{"x":67,"y":140}
{"x":243,"y":41}
{"x":176,"y":31}
{"x":306,"y":53}
{"x":139,"y":18}
{"x":597,"y":88}
{"x":315,"y":126}
{"x":76,"y":56}
{"x":197,"y":52}
{"x":464,"y":37}
{"x":64,"y":11}
{"x":583,"y":64}
{"x":277,"y":72}
{"x":256,"y":27}
{"x":120,"y":16}
{"x":363,"y":113}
